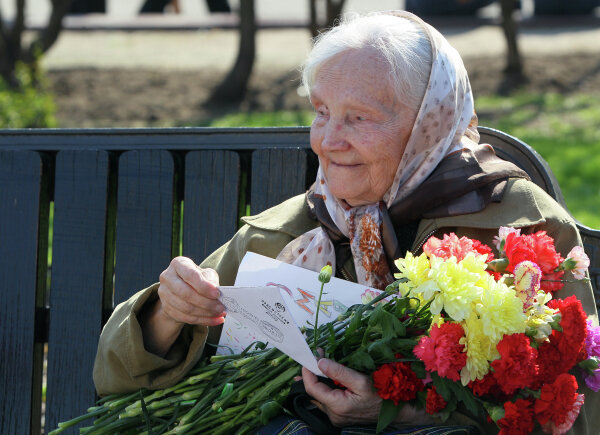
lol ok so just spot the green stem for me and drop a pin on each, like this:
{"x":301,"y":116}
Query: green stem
{"x":67,"y":424}
{"x":316,"y":325}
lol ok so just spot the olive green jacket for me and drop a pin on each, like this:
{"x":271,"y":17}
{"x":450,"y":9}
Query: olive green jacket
{"x":122,"y":363}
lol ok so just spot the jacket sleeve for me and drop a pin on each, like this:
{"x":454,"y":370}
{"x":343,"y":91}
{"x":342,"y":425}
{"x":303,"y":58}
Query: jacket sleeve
{"x":123,"y":364}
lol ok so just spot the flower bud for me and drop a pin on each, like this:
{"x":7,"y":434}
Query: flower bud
{"x":498,"y":265}
{"x":325,"y":274}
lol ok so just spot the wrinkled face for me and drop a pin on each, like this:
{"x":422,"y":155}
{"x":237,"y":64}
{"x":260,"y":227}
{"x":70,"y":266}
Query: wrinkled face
{"x":360,"y":128}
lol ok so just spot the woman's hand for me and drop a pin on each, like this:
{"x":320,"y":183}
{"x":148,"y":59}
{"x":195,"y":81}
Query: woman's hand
{"x":187,"y":294}
{"x":359,"y":403}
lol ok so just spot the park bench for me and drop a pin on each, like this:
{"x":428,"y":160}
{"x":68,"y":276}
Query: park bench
{"x":121,"y":204}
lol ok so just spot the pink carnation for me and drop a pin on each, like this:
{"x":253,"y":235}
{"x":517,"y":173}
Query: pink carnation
{"x":442,"y":352}
{"x":452,"y":246}
{"x":582,"y":261}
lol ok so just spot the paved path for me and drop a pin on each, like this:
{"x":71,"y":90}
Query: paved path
{"x":208,"y":41}
{"x":282,"y":49}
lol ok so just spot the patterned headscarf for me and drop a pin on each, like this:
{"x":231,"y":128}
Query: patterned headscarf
{"x":445,"y":123}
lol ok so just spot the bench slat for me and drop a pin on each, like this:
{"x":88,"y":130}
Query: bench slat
{"x":210,"y":208}
{"x":145,"y":201}
{"x":277,"y":175}
{"x":77,"y":281}
{"x":20,"y":181}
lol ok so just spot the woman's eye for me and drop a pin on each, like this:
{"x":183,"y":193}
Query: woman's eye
{"x":360,"y":118}
{"x":321,"y":112}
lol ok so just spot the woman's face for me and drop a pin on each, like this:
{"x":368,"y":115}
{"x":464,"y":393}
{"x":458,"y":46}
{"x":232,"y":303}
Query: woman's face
{"x":360,"y":129}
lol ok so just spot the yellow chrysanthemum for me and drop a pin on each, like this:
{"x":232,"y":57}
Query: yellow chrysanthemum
{"x":452,"y":286}
{"x":414,"y":269}
{"x":500,"y":311}
{"x":480,"y":350}
{"x":476,"y":263}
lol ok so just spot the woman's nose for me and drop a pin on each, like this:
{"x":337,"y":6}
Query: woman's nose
{"x":334,"y":137}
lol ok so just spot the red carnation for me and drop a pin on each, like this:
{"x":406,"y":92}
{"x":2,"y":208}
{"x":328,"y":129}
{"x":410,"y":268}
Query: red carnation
{"x":574,"y":326}
{"x":538,"y":248}
{"x":483,"y":249}
{"x":551,"y":282}
{"x":517,"y":249}
{"x":396,"y":381}
{"x":518,"y":418}
{"x":441,"y":351}
{"x":434,"y":402}
{"x":487,"y":386}
{"x":546,"y":256}
{"x":557,"y":400}
{"x":516,"y":367}
{"x":550,"y":363}
{"x":566,"y":348}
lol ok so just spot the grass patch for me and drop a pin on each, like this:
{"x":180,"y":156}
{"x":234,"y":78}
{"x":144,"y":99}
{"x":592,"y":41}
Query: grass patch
{"x":283,"y":118}
{"x":564,"y":130}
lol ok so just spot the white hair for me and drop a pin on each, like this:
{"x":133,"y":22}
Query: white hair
{"x":400,"y":41}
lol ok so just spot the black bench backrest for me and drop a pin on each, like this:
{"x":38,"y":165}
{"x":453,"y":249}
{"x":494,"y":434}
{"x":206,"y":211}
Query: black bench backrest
{"x":123,"y":203}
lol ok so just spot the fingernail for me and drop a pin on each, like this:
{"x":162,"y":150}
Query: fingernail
{"x":323,"y":364}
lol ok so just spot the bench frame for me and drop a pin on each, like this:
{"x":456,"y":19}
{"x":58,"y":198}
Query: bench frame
{"x":116,"y":198}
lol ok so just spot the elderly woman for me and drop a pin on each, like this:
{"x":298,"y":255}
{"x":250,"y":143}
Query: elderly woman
{"x":395,"y":133}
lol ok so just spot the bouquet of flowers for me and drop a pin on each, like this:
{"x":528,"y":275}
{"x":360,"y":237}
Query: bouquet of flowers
{"x":498,"y":342}
{"x":458,"y":329}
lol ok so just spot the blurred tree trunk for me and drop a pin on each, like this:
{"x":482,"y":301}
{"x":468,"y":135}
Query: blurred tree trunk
{"x":333,"y":11}
{"x":233,"y":88}
{"x":12,"y":46}
{"x":514,"y":64}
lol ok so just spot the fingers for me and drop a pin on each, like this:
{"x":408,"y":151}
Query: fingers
{"x":320,"y":391}
{"x":351,"y":379}
{"x":189,"y":294}
{"x":358,"y":403}
{"x":205,"y":281}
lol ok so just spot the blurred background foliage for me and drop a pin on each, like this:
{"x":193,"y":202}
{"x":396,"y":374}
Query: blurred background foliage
{"x":30,"y":105}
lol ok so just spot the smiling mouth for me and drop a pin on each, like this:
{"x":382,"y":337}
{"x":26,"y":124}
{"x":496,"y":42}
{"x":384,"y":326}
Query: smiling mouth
{"x":345,"y":165}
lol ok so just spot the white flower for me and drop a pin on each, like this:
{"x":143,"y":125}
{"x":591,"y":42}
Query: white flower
{"x":582,"y":261}
{"x":503,"y":232}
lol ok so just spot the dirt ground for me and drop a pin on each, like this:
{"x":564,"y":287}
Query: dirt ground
{"x":89,"y":97}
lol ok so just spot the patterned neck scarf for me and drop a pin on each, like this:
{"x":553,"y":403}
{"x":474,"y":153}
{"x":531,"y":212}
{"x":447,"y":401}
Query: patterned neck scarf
{"x":445,"y":123}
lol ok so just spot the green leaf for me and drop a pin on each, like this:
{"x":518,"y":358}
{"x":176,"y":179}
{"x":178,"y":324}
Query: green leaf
{"x":465,"y":396}
{"x":361,"y":361}
{"x":442,"y":386}
{"x":355,"y":322}
{"x":268,"y":410}
{"x":380,"y":350}
{"x":387,"y":323}
{"x":387,"y":414}
{"x":419,"y":368}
